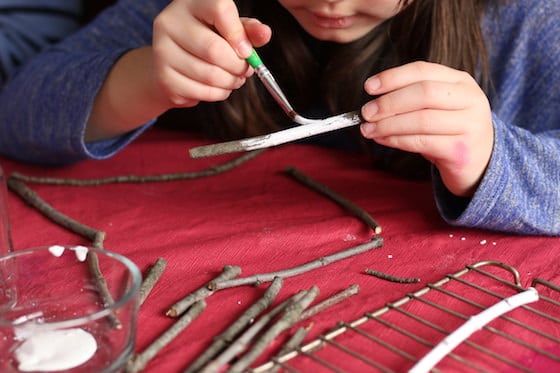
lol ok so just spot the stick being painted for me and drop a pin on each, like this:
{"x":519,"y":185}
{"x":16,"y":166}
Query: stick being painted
{"x":309,"y":127}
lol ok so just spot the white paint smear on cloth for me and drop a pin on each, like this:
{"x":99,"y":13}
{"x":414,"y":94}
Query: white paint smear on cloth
{"x":55,"y":350}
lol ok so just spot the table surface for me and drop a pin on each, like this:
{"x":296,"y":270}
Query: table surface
{"x":257,"y":217}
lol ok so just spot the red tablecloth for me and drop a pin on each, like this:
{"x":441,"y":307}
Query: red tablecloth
{"x":258,"y":218}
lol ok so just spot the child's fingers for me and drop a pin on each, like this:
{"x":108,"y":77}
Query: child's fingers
{"x":404,"y":75}
{"x":259,"y":34}
{"x":199,"y":70}
{"x":182,"y":91}
{"x":422,"y":122}
{"x":224,"y":17}
{"x":418,"y":95}
{"x":433,"y":147}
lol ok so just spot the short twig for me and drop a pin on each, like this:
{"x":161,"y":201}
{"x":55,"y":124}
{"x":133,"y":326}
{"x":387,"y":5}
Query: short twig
{"x":139,"y":361}
{"x":152,"y":277}
{"x":331,"y":301}
{"x":345,"y":203}
{"x":241,"y":343}
{"x":293,"y":343}
{"x":50,"y":212}
{"x":101,"y":286}
{"x":385,"y":276}
{"x":228,"y":273}
{"x":215,"y":170}
{"x":375,"y":243}
{"x":290,"y":317}
{"x":98,"y":239}
{"x":226,"y":337}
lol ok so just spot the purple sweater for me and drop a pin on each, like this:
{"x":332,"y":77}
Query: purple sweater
{"x":44,"y":110}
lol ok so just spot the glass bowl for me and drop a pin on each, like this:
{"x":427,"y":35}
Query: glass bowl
{"x":54,"y":315}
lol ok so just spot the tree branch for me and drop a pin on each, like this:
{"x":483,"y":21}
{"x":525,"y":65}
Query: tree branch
{"x":385,"y":276}
{"x":215,"y":170}
{"x":226,"y":337}
{"x":229,"y":272}
{"x":248,"y":335}
{"x":345,"y":203}
{"x":375,"y":243}
{"x":290,"y":317}
{"x":139,"y":361}
{"x":152,"y":277}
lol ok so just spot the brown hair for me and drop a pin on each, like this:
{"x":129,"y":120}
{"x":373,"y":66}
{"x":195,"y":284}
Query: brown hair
{"x":332,"y":75}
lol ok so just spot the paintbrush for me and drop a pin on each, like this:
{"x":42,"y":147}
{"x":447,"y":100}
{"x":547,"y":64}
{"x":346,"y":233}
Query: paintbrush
{"x":310,"y":127}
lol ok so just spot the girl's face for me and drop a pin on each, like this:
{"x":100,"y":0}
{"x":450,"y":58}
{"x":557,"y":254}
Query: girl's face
{"x":340,"y":21}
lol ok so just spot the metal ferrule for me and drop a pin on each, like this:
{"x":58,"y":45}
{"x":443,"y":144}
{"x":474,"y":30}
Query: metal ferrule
{"x":274,"y":89}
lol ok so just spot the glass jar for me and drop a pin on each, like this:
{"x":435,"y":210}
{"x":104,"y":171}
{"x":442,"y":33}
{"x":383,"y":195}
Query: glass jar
{"x":5,"y":236}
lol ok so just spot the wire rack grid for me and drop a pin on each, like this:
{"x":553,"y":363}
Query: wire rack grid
{"x":396,"y":336}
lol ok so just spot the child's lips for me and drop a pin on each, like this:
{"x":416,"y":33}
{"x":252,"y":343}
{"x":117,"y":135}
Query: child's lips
{"x":332,"y":21}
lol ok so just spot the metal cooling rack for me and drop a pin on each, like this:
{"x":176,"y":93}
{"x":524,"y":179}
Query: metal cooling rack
{"x":395,"y":337}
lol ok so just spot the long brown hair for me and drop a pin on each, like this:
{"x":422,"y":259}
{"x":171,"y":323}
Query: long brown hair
{"x":331,"y":75}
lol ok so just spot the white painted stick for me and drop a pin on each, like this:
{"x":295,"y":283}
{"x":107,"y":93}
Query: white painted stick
{"x":315,"y":127}
{"x":472,"y":325}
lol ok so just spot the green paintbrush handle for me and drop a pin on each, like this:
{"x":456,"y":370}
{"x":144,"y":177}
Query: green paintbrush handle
{"x":254,"y":59}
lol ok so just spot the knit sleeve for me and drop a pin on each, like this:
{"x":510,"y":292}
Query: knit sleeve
{"x":28,"y":26}
{"x":44,"y":109}
{"x":520,"y":191}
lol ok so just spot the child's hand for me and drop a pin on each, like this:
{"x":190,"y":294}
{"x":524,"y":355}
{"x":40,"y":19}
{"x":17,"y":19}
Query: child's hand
{"x":438,"y":112}
{"x":199,"y":50}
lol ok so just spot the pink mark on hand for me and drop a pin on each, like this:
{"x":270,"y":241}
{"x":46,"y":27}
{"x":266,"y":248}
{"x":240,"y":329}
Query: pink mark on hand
{"x":461,"y":154}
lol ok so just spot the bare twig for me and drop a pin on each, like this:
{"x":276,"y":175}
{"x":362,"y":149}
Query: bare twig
{"x":30,"y":197}
{"x":241,"y":343}
{"x":152,"y":277}
{"x":98,"y":239}
{"x":215,"y":170}
{"x":385,"y":276}
{"x":290,"y":317}
{"x":226,"y":337}
{"x":345,"y":203}
{"x":375,"y":243}
{"x":139,"y":361}
{"x":228,"y":272}
{"x":331,"y":301}
{"x":293,"y":343}
{"x":101,"y":286}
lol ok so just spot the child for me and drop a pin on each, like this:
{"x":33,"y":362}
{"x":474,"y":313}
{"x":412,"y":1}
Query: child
{"x":470,"y":85}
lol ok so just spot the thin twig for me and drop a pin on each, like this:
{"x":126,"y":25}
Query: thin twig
{"x":98,"y":239}
{"x":289,"y":318}
{"x":241,"y":343}
{"x":30,"y":197}
{"x":214,"y":170}
{"x":228,"y":272}
{"x":375,"y":243}
{"x":139,"y":361}
{"x":227,"y":336}
{"x":101,"y":286}
{"x":331,"y":301}
{"x":388,"y":277}
{"x":152,"y":277}
{"x":293,"y":343}
{"x":345,"y":203}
